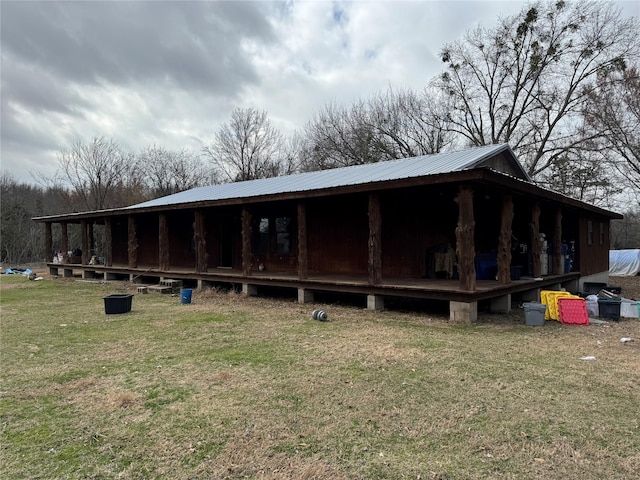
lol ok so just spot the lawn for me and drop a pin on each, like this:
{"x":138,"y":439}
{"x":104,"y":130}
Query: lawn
{"x":231,"y":387}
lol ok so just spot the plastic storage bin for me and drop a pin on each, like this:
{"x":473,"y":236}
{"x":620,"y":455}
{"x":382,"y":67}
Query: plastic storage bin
{"x":629,"y":308}
{"x":534,"y":313}
{"x":592,"y":305}
{"x":117,"y":303}
{"x":573,"y":311}
{"x":609,"y":308}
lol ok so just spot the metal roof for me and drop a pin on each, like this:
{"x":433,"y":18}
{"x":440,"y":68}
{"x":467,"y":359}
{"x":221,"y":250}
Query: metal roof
{"x":339,"y":177}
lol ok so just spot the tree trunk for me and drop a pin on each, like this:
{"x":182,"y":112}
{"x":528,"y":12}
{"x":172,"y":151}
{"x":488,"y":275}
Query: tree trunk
{"x":164,"y":259}
{"x":91,"y":240}
{"x":303,"y":258}
{"x":132,"y":243}
{"x":246,"y":242}
{"x":108,"y":242}
{"x":199,"y":237}
{"x":375,"y":241}
{"x":65,"y":242}
{"x":85,"y":242}
{"x":536,"y":243}
{"x":504,"y":242}
{"x":465,"y":246}
{"x":558,"y":261}
{"x":48,"y":242}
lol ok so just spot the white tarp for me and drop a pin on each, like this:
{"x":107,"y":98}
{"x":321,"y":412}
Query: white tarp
{"x":624,"y":262}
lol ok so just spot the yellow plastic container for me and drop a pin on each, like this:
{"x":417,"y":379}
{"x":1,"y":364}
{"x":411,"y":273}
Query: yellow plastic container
{"x":550,"y":299}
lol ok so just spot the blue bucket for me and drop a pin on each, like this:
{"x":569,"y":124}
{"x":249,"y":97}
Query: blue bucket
{"x":185,"y":295}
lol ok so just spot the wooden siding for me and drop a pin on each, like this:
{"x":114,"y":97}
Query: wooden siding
{"x":593,"y":256}
{"x":338,"y":231}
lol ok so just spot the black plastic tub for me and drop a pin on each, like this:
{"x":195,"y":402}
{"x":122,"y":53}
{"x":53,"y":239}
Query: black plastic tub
{"x":609,"y":308}
{"x":117,"y":303}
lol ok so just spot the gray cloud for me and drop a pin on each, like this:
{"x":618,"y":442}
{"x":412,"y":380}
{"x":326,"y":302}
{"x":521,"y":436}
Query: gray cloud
{"x":170,"y":72}
{"x":190,"y":45}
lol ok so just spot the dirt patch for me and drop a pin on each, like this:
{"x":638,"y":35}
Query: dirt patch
{"x":630,"y":286}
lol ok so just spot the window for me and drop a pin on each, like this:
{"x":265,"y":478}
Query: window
{"x":601,"y":233}
{"x":260,"y":244}
{"x":589,"y":232}
{"x":283,"y":235}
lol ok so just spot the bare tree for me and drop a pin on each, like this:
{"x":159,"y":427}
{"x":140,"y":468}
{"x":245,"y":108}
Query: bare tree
{"x":247,"y":147}
{"x":613,"y":113}
{"x":95,"y":173}
{"x":339,"y":137}
{"x":526,"y":81}
{"x":165,"y":171}
{"x":408,"y":124}
{"x":20,"y":237}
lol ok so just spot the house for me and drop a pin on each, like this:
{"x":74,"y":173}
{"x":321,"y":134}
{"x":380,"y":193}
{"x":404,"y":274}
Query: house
{"x":465,"y":227}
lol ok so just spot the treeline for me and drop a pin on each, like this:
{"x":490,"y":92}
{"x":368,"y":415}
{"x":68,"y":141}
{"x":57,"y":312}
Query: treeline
{"x":559,"y":82}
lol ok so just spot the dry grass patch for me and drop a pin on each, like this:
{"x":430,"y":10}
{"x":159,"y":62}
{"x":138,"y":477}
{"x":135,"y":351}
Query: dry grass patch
{"x":234,"y":387}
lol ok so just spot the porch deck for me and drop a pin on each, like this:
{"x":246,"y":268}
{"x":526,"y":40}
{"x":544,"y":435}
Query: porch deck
{"x":429,"y":289}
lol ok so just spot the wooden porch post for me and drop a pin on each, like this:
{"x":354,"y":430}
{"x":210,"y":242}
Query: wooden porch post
{"x":48,"y":242}
{"x":465,"y":246}
{"x":65,"y":242}
{"x":108,"y":242}
{"x":536,"y":243}
{"x":303,"y":259}
{"x":132,"y":243}
{"x":85,"y":242}
{"x":504,"y":242}
{"x":375,"y":241}
{"x":558,"y":263}
{"x":200,"y":241}
{"x":163,"y":242}
{"x":91,"y":239}
{"x":246,"y":242}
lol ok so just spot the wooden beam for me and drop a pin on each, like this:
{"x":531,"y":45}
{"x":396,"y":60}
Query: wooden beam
{"x":91,"y":239}
{"x":132,"y":244}
{"x":199,"y":238}
{"x":48,"y":242}
{"x":536,"y":243}
{"x":85,"y":242}
{"x":504,"y":241}
{"x":465,"y":246}
{"x":303,"y":255}
{"x":108,"y":242}
{"x":246,"y":242}
{"x":558,"y":261}
{"x":65,"y":242}
{"x":164,"y":260}
{"x":375,"y":240}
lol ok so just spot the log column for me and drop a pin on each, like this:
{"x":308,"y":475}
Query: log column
{"x":91,"y":239}
{"x":536,"y":243}
{"x":85,"y":242}
{"x":48,"y":242}
{"x":558,"y":263}
{"x":108,"y":242}
{"x":375,"y":241}
{"x":465,"y":246}
{"x":200,"y":241}
{"x":163,"y":242}
{"x":303,"y":258}
{"x":246,"y":242}
{"x":504,"y":242}
{"x":132,"y":244}
{"x":65,"y":242}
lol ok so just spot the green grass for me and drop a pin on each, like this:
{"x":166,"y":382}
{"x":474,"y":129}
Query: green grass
{"x":234,"y":387}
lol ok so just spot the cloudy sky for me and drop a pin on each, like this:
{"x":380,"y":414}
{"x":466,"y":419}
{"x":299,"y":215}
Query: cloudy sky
{"x":170,"y":72}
